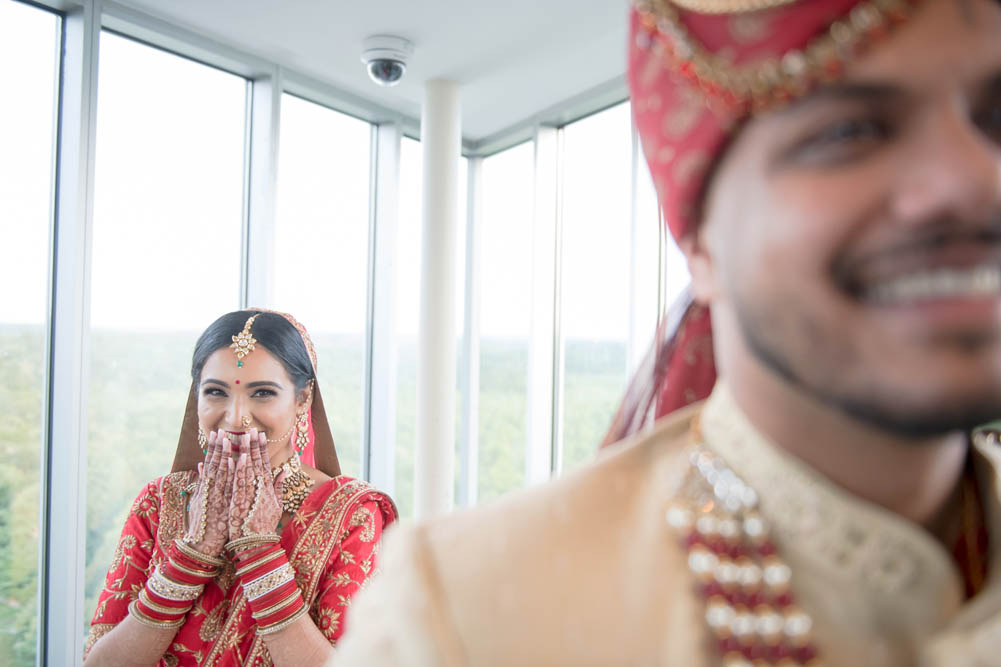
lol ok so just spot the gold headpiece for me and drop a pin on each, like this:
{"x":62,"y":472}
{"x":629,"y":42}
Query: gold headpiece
{"x":243,"y":343}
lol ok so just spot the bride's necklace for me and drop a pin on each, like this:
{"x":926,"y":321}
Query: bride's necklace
{"x":295,"y":486}
{"x":750,"y":607}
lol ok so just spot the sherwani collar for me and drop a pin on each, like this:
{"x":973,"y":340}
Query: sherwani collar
{"x":897,"y":575}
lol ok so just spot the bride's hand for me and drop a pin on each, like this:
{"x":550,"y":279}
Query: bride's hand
{"x":255,"y":506}
{"x":208,"y":509}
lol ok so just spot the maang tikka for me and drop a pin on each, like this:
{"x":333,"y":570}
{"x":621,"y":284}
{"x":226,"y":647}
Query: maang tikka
{"x":244,"y":342}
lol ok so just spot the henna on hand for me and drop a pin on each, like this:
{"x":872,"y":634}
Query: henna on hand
{"x":207,"y":529}
{"x":255,"y":507}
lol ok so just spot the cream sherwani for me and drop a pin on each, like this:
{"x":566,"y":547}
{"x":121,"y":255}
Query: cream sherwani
{"x":586,"y":571}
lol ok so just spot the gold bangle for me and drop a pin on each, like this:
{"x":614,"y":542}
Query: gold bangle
{"x":151,"y":623}
{"x":264,"y":613}
{"x":278,"y":627}
{"x":163,"y":610}
{"x":251,"y":540}
{"x":267,"y":559}
{"x":163,"y":586}
{"x":269,"y":582}
{"x":196,"y":555}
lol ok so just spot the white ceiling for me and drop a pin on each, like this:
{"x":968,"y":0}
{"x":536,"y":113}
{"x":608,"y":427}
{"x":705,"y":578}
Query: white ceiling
{"x":513,"y":58}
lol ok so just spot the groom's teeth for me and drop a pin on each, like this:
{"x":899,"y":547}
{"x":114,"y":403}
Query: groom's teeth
{"x":937,"y":284}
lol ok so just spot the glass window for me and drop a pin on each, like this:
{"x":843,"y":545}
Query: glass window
{"x":505,"y":317}
{"x":29,"y":44}
{"x":597,"y":276}
{"x":407,"y":314}
{"x":321,"y":251}
{"x":166,"y":262}
{"x":408,"y":280}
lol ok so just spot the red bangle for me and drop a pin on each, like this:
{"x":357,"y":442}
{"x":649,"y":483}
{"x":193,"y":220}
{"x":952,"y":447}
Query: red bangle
{"x":154,"y":615}
{"x":166,"y":602}
{"x":254,"y":570}
{"x":183,"y":569}
{"x":247,"y":558}
{"x":281,"y":614}
{"x":170,"y":570}
{"x":151,"y":609}
{"x":251,"y":569}
{"x":180,"y":558}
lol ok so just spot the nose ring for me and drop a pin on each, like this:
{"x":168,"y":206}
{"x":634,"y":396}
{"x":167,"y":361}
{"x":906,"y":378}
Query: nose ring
{"x":246,"y":421}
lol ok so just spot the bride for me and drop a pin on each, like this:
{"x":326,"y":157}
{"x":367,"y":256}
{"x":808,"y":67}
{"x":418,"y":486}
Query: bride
{"x":249,"y":551}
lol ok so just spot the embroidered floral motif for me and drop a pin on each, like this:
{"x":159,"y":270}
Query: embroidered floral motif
{"x":328,"y":621}
{"x":126,"y":543}
{"x":313,"y":552}
{"x":181,"y":648}
{"x":97,"y":631}
{"x":220,"y":630}
{"x":363,"y":517}
{"x":212,"y":625}
{"x":145,"y":505}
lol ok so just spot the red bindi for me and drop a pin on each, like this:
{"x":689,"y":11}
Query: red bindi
{"x":238,"y":382}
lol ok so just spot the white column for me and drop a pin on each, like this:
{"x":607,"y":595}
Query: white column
{"x":261,"y":186}
{"x":65,"y":498}
{"x":542,"y":418}
{"x":441,"y":141}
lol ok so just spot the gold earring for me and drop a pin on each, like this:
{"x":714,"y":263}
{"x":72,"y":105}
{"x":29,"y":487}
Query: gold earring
{"x":203,"y":440}
{"x":245,"y":421}
{"x":302,"y":432}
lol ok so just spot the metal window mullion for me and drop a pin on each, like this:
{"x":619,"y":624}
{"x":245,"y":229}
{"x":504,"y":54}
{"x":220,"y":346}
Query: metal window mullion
{"x":379,"y":438}
{"x":261,"y":190}
{"x":539,"y":459}
{"x":470,"y":369}
{"x":244,"y":296}
{"x":64,"y":505}
{"x":559,"y":342}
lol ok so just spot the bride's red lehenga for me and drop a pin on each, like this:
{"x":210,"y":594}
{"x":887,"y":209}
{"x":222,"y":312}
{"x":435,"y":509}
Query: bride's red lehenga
{"x":332,"y":543}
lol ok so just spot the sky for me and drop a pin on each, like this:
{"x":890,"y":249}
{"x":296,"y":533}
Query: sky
{"x":168,"y":204}
{"x":29,"y":38}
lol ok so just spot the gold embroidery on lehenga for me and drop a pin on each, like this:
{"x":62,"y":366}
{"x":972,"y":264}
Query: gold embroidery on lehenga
{"x":212,"y":625}
{"x":366,"y":567}
{"x":363,"y":517}
{"x":328,"y":621}
{"x":172,"y":506}
{"x":145,"y":505}
{"x":97,"y":631}
{"x":126,"y":543}
{"x":313,"y":549}
{"x":342,"y":579}
{"x":196,"y":655}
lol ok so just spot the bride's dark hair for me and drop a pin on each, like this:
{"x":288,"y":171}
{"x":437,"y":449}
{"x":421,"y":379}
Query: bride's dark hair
{"x":272,"y":331}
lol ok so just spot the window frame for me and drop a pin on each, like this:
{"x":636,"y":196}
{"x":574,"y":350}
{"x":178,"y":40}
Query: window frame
{"x":64,"y":455}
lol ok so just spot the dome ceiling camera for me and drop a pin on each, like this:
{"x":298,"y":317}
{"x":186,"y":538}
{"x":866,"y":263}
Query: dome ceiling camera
{"x":386,"y":57}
